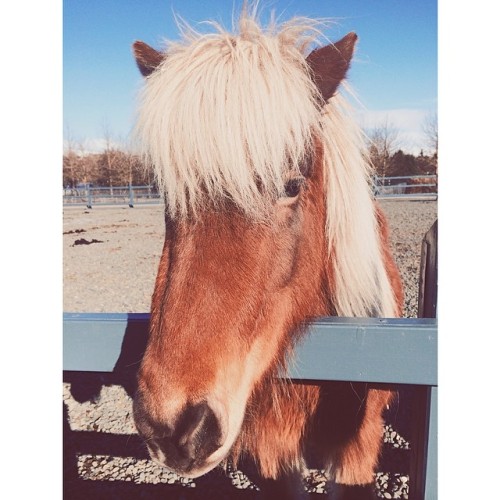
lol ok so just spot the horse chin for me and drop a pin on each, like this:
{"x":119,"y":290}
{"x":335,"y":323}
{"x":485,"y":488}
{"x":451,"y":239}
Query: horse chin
{"x":191,"y":471}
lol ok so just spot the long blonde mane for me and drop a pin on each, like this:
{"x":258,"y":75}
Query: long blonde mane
{"x":256,"y":114}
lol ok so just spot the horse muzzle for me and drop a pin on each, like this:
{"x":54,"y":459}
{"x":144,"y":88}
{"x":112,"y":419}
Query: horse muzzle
{"x":189,"y":447}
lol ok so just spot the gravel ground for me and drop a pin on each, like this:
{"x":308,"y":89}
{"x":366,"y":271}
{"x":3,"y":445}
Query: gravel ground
{"x":116,"y":270}
{"x":110,"y":260}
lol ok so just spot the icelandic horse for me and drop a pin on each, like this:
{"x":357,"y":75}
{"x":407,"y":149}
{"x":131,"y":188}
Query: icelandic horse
{"x":270,"y":223}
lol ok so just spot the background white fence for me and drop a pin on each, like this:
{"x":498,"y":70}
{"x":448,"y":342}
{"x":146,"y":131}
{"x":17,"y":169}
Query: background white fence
{"x":407,"y":187}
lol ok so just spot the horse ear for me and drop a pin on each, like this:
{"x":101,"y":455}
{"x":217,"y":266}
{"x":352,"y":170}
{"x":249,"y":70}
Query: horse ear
{"x":329,"y":64}
{"x":147,"y":58}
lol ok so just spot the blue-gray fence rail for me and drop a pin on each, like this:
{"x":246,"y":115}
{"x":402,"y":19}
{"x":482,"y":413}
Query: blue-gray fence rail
{"x":380,"y":351}
{"x":408,"y":187}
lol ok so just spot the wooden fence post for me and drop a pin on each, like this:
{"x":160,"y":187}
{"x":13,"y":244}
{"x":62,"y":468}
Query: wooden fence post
{"x":423,"y":462}
{"x":427,"y":290}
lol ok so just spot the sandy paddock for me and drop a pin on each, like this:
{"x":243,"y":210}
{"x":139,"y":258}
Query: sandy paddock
{"x":116,"y":272}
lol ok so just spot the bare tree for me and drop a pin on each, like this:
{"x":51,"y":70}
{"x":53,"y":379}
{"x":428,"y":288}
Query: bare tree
{"x":383,"y":142}
{"x":70,"y":161}
{"x":89,"y":165}
{"x":430,"y":129}
{"x":129,"y":160}
{"x":111,"y":158}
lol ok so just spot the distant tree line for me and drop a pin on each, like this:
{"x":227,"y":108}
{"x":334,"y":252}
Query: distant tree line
{"x":110,"y":168}
{"x":400,"y":164}
{"x":118,"y":166}
{"x":389,"y":160}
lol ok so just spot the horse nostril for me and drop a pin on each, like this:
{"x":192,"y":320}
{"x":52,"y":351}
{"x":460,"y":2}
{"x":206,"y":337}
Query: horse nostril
{"x":197,"y":433}
{"x":195,"y":436}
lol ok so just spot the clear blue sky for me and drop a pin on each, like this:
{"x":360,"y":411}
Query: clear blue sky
{"x":394,"y":72}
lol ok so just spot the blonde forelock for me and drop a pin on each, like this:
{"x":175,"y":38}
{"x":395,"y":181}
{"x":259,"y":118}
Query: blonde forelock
{"x":228,"y":115}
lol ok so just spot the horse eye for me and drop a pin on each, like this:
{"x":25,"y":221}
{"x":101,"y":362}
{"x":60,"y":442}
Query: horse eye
{"x":292,"y":187}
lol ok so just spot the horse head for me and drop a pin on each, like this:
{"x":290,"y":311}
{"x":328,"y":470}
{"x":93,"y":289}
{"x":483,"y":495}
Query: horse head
{"x":259,"y":213}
